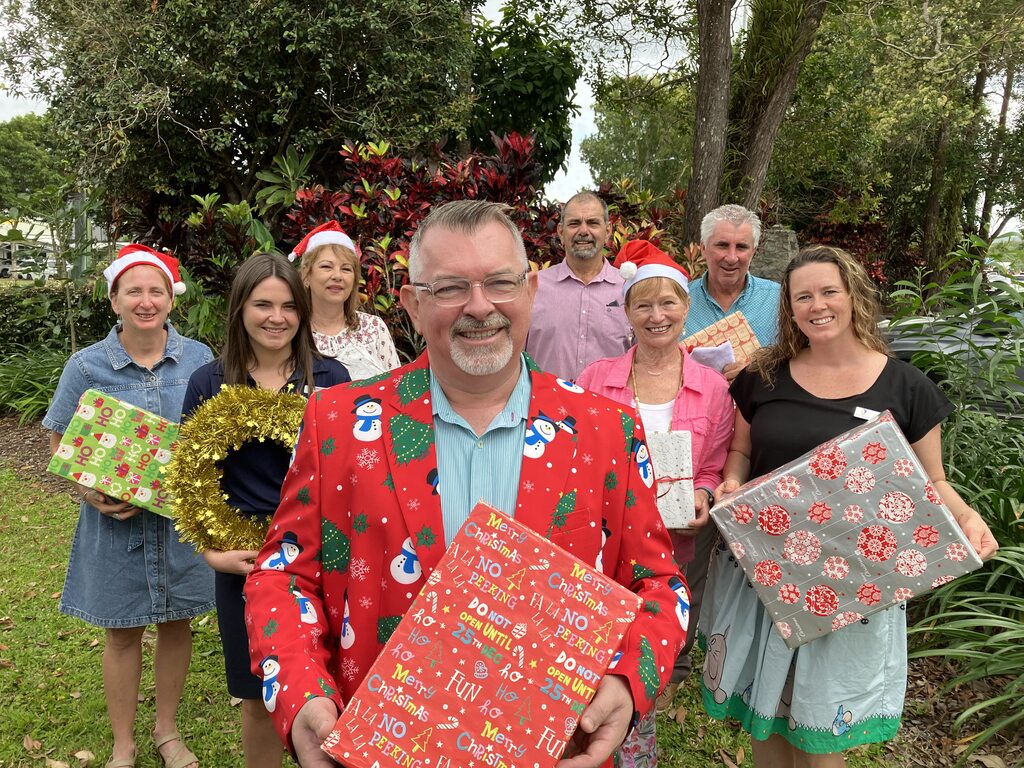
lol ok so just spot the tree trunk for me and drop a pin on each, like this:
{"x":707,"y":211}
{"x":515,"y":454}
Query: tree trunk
{"x":973,"y":131}
{"x":930,"y":250}
{"x":712,"y":113}
{"x":760,"y":135}
{"x":463,"y":147}
{"x":995,"y":160}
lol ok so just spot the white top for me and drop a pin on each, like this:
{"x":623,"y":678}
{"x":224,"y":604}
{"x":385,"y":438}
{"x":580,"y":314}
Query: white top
{"x":366,"y":351}
{"x":656,"y":417}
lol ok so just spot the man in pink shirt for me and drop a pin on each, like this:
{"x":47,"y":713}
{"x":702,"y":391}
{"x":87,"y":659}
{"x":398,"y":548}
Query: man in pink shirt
{"x":577,"y":315}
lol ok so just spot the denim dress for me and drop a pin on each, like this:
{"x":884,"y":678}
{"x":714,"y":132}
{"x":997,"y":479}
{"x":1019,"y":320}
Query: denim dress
{"x":134,"y":572}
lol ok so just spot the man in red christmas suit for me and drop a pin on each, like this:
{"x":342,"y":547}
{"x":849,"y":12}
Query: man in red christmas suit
{"x":367,"y":508}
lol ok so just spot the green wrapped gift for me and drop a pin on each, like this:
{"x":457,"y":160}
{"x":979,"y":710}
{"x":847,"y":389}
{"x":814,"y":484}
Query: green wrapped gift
{"x":118,"y":449}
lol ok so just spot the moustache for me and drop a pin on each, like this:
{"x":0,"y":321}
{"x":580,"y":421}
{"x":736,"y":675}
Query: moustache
{"x":494,"y":321}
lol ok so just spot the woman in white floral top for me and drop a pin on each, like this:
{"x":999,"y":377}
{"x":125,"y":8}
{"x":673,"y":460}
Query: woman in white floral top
{"x":330,"y":271}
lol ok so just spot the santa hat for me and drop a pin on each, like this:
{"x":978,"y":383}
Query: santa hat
{"x":330,"y":233}
{"x":638,"y":260}
{"x":134,"y":255}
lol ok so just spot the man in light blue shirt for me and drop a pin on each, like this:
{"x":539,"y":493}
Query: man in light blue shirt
{"x":729,"y":236}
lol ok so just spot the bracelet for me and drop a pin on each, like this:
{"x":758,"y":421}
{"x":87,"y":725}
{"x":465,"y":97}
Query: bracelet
{"x":710,"y":495}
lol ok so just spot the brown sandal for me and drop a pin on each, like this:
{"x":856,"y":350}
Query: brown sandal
{"x":180,"y":757}
{"x":124,"y":762}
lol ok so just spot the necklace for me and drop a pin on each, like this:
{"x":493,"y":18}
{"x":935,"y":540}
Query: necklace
{"x":632,"y":378}
{"x":646,"y":369}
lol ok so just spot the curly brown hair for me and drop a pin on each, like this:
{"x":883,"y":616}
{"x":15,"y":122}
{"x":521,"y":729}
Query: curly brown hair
{"x":863,"y":299}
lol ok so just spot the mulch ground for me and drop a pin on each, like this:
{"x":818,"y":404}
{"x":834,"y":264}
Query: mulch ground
{"x":925,"y":738}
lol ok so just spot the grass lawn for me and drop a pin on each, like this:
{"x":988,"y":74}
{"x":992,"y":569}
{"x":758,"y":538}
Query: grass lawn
{"x":51,"y":687}
{"x":50,"y":681}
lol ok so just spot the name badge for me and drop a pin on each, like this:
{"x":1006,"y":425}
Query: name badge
{"x":866,"y":414}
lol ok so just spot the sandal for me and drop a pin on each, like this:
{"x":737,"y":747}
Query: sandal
{"x":124,"y":762}
{"x":180,"y":757}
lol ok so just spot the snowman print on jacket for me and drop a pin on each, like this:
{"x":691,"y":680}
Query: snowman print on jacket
{"x":271,"y":668}
{"x":307,"y":613}
{"x":405,"y":567}
{"x":287,"y":550}
{"x":367,"y":426}
{"x":543,"y":430}
{"x":642,"y":457}
{"x":570,"y":386}
{"x":682,"y":601}
{"x":348,"y":634}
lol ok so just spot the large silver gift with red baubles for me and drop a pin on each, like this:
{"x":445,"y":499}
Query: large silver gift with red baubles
{"x":848,"y":529}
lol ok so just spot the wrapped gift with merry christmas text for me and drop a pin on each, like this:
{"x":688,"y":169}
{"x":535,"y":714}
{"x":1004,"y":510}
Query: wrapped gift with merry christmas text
{"x":495,"y":660}
{"x":846,"y":530}
{"x":119,"y":449}
{"x":673,"y":473}
{"x":733,"y":328}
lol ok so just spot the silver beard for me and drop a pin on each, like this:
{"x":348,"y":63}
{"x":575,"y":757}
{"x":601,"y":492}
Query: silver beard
{"x":481,"y":362}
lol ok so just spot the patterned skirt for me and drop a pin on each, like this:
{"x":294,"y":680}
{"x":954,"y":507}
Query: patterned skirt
{"x":833,"y":693}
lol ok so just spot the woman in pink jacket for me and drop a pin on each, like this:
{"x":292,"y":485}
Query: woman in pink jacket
{"x":670,"y":392}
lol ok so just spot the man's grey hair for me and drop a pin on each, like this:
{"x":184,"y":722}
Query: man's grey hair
{"x":586,"y":194}
{"x":466,"y":217}
{"x":736,"y":215}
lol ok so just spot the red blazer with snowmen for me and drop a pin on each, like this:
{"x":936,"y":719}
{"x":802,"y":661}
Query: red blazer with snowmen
{"x":359,"y":529}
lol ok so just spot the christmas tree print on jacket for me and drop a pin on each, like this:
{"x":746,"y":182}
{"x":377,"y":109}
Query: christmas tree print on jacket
{"x":363,"y":520}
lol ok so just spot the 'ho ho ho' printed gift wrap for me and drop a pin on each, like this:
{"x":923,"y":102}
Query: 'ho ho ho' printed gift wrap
{"x":846,"y":530}
{"x":119,"y":449}
{"x":495,"y":660}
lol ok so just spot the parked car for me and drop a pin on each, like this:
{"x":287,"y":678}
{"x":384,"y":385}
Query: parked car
{"x":981,"y":350}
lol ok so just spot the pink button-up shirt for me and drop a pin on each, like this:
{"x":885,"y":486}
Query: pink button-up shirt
{"x":703,"y":407}
{"x":575,"y":323}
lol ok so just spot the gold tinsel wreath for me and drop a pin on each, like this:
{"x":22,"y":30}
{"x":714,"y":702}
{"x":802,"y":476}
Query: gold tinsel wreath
{"x":221,"y":424}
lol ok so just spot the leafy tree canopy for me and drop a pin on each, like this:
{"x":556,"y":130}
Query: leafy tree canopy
{"x":157,"y":101}
{"x":30,"y":163}
{"x":644,"y":133}
{"x":524,"y":77}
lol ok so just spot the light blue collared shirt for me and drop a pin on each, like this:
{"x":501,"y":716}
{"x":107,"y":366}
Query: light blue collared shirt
{"x":472,"y":468}
{"x":759,"y":303}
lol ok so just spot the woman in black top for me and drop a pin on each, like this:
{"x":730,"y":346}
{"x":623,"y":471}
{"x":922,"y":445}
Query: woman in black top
{"x":269,"y":345}
{"x":828,"y":373}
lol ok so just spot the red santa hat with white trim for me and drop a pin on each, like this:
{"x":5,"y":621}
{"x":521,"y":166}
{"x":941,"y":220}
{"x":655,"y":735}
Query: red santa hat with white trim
{"x":330,"y":233}
{"x":134,"y":255}
{"x":639,"y":259}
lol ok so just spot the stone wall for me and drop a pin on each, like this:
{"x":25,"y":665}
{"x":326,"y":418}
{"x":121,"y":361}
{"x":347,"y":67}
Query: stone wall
{"x":778,"y":245}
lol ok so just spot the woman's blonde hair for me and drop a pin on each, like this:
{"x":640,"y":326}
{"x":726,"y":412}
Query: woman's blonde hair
{"x":346,"y":254}
{"x":645,"y":289}
{"x":863,"y":300}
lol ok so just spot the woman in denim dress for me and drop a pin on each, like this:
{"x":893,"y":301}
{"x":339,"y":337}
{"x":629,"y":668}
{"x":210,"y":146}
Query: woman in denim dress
{"x":127,"y":568}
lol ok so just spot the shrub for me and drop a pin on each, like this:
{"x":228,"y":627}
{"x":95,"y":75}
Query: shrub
{"x":28,"y":378}
{"x":37,"y":312}
{"x":975,"y":354}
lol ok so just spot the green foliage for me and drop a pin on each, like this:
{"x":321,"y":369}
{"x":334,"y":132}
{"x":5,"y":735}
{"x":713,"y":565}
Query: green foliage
{"x":36,"y":312}
{"x":30,"y":157}
{"x":207,"y":94}
{"x":28,"y":378}
{"x":524,"y":76}
{"x":644,"y":133}
{"x":977,"y":621}
{"x":978,"y":368}
{"x":290,"y":173}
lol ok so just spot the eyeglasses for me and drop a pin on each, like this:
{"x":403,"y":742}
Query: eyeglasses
{"x":456,"y":291}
